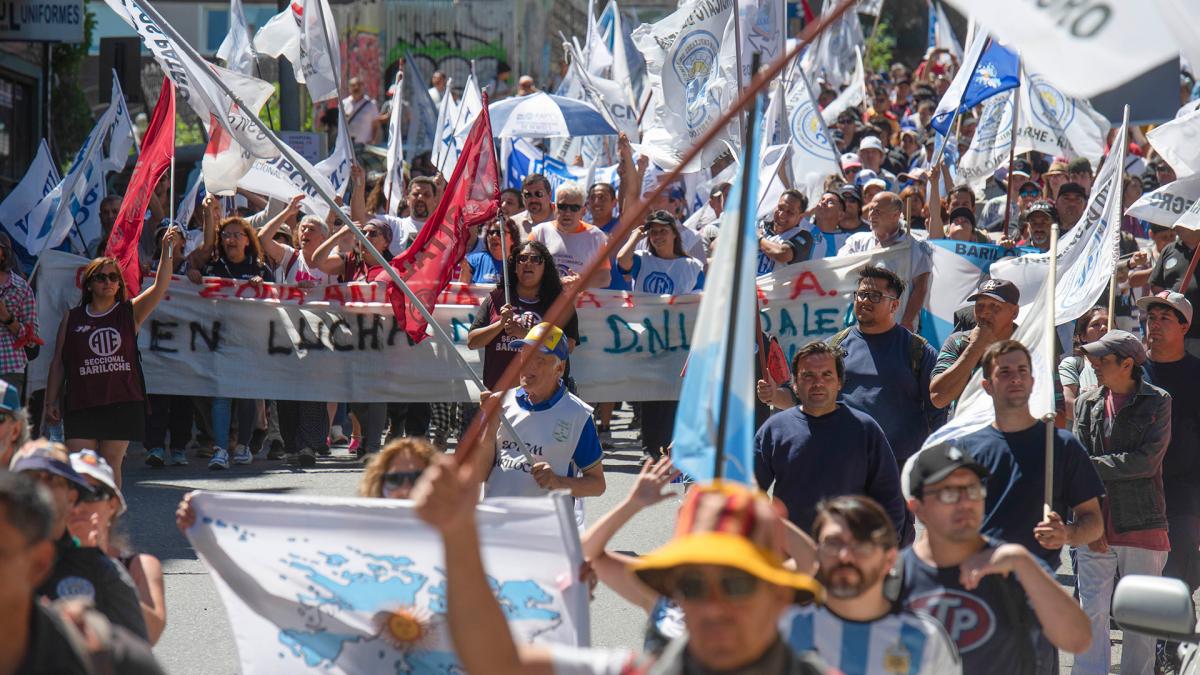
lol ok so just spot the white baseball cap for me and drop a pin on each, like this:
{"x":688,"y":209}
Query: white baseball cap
{"x":870,"y":143}
{"x":88,"y":463}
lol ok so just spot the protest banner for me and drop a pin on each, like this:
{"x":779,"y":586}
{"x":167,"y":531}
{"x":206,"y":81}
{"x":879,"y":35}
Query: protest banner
{"x":341,"y":598}
{"x":1165,"y":205}
{"x":341,"y":343}
{"x":958,"y":269}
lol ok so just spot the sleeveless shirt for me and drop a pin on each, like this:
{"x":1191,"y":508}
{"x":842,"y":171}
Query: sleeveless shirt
{"x":100,"y":355}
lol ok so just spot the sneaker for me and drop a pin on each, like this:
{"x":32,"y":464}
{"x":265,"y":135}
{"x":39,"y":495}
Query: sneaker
{"x":178,"y":457}
{"x":307,"y":457}
{"x":242,"y":455}
{"x":276,"y":450}
{"x":324,"y":451}
{"x":220,"y":459}
{"x":258,"y":438}
{"x":155,"y":458}
{"x":291,"y":459}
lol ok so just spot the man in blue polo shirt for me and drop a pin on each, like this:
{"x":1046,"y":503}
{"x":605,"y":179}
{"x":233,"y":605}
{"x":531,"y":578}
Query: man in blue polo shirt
{"x":561,"y":448}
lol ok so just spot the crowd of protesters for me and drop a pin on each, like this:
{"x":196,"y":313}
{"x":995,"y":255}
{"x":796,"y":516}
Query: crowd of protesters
{"x":871,"y":555}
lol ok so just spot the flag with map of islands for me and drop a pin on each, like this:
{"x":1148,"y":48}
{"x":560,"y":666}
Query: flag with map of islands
{"x":342,"y":585}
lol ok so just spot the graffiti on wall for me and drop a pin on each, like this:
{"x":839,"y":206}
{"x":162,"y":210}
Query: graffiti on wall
{"x":449,"y":37}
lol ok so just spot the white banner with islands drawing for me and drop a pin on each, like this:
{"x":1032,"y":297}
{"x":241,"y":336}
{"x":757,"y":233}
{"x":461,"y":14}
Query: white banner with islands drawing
{"x":341,"y":343}
{"x":345,"y":585}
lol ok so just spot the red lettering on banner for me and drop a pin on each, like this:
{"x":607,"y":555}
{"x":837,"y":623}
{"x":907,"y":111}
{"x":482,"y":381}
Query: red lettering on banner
{"x":762,"y":297}
{"x":356,"y":294}
{"x":808,"y":282}
{"x":292,"y":293}
{"x":255,"y":292}
{"x":334,"y":294}
{"x":626,"y":300}
{"x":213,"y":287}
{"x":464,"y":297}
{"x":587,"y":296}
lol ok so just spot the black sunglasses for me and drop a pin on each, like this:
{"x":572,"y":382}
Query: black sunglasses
{"x":114,"y":277}
{"x":734,"y":584}
{"x":96,"y":494}
{"x":395,"y":479}
{"x":493,"y":233}
{"x":531,"y":258}
{"x":570,"y":208}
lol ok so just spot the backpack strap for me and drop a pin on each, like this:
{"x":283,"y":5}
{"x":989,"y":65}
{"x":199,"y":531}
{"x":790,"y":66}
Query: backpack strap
{"x":287,"y":270}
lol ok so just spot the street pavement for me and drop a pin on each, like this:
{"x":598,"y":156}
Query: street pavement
{"x":199,"y":637}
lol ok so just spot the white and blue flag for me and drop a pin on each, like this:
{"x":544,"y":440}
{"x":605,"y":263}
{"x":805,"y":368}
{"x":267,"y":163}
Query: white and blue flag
{"x":39,"y":180}
{"x":422,"y":125}
{"x":725,"y":331}
{"x":994,"y":71}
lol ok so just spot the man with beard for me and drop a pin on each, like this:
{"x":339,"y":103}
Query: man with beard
{"x":859,"y":630}
{"x":1000,"y":604}
{"x":1039,"y":219}
{"x":1071,"y":202}
{"x":1013,"y":450}
{"x":539,"y":206}
{"x":422,"y":199}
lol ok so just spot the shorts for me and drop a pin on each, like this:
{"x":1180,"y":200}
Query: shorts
{"x":111,"y":422}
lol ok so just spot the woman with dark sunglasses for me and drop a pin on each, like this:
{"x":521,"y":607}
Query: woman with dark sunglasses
{"x":393,"y":471}
{"x":534,"y":285}
{"x":96,"y":360}
{"x":486,"y":267}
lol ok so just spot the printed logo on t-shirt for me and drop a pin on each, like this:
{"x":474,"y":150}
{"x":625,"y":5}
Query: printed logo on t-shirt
{"x":658,"y":283}
{"x":75,"y":587}
{"x":105,"y":342}
{"x":1170,"y":263}
{"x":968,"y":620}
{"x":562,"y":430}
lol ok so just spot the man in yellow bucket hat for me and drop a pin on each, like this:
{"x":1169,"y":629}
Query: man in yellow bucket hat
{"x":724,"y":568}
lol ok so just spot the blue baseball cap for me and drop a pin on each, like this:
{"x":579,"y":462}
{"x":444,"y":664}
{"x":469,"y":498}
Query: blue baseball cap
{"x":10,"y":399}
{"x":40,"y":460}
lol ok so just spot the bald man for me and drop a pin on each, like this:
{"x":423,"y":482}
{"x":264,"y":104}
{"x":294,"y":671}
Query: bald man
{"x":884,"y":214}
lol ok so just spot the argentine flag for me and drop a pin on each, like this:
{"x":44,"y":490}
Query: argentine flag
{"x":725,"y":329}
{"x":995,"y":70}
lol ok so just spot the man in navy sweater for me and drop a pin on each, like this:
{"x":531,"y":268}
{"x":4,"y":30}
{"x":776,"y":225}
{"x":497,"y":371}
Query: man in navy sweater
{"x":822,"y":448}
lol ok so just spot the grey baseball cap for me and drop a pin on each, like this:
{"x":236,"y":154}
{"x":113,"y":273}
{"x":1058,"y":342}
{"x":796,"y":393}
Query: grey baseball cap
{"x":1175,"y":301}
{"x":1124,"y":345}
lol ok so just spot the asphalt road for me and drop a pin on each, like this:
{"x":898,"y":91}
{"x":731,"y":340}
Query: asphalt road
{"x":199,"y":637}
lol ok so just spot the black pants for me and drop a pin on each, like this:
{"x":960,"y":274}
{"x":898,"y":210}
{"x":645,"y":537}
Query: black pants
{"x":409,"y":419}
{"x":169,"y":413}
{"x":302,"y":424}
{"x":658,"y":423}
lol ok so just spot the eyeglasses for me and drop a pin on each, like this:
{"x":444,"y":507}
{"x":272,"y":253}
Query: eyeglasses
{"x":96,"y":494}
{"x":873,"y":297}
{"x":570,"y":208}
{"x":831,"y":548}
{"x":530,"y":258}
{"x":233,"y":234}
{"x":733,"y":585}
{"x":398,"y":479}
{"x":535,"y":194}
{"x":954,"y":495}
{"x":113,"y":277}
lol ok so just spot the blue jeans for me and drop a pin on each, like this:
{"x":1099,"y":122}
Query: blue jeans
{"x":247,"y":414}
{"x":1096,"y":577}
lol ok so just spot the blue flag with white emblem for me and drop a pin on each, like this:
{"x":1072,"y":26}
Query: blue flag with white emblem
{"x":996,"y":71}
{"x":716,"y":405}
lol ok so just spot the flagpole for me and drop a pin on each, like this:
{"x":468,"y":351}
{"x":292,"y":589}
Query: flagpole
{"x":566,"y":299}
{"x":337,"y":80}
{"x":1012,"y":150}
{"x":736,"y":15}
{"x":292,"y":156}
{"x":1051,"y":341}
{"x":735,"y":289}
{"x":1112,"y":280}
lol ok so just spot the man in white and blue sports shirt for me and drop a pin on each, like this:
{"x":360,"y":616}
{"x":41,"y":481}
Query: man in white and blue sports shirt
{"x":555,"y":426}
{"x":858,"y":630}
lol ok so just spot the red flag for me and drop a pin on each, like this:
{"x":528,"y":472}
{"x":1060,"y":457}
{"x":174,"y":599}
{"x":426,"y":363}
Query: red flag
{"x":158,"y":145}
{"x":472,"y":198}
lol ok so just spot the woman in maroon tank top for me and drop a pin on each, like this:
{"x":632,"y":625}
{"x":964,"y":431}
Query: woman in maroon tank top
{"x":95,"y":386}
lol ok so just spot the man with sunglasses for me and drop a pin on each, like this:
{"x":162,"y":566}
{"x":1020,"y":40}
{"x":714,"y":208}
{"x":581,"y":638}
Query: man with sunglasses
{"x":79,"y":572}
{"x":724,"y":568}
{"x":859,"y":630}
{"x":539,"y":205}
{"x":572,"y":242}
{"x":1000,"y":604}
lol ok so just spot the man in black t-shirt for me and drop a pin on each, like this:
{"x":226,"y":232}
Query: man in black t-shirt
{"x":1000,"y":604}
{"x":1168,"y":274}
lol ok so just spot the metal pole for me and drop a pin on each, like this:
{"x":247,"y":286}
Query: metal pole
{"x":292,"y":156}
{"x":737,"y":57}
{"x":1051,"y":290}
{"x":289,"y":90}
{"x":337,"y":78}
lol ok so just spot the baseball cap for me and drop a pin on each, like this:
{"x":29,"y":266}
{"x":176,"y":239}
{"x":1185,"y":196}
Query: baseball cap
{"x":1175,"y":301}
{"x":963,"y":212}
{"x":88,"y":463}
{"x":41,"y":457}
{"x":998,"y":289}
{"x":870,"y":143}
{"x":554,"y":342}
{"x":1119,"y":342}
{"x":851,"y":160}
{"x":865,"y":176}
{"x":1022,"y":168}
{"x":10,"y":399}
{"x":850,"y":191}
{"x":1079,"y":165}
{"x":876,"y":182}
{"x":933,"y":465}
{"x":1043,"y":206}
{"x":1072,"y":188}
{"x":728,"y":525}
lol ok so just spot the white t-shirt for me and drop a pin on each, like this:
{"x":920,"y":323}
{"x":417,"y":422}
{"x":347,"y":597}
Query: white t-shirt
{"x":404,"y":231}
{"x":360,"y":118}
{"x":298,"y":272}
{"x":902,"y":642}
{"x":558,"y":431}
{"x":572,"y":251}
{"x":691,"y":241}
{"x":921,"y":256}
{"x":677,"y":276}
